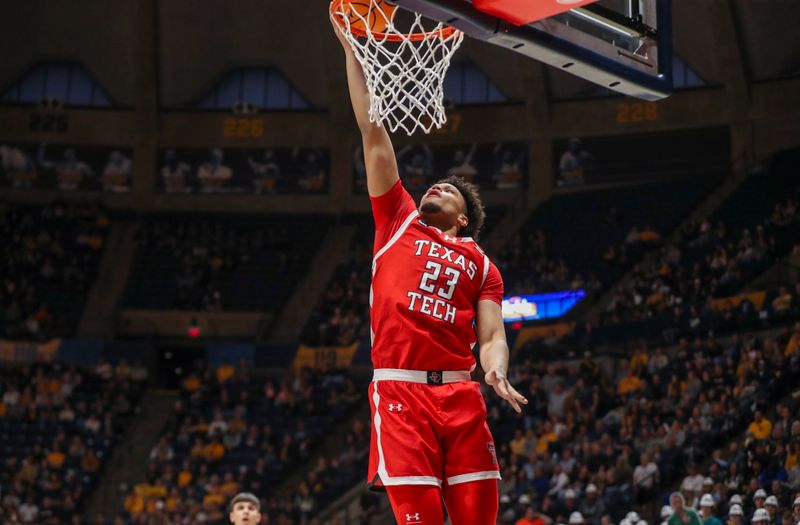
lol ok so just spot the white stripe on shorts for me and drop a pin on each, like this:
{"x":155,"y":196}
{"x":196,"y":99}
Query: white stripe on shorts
{"x":473,"y":476}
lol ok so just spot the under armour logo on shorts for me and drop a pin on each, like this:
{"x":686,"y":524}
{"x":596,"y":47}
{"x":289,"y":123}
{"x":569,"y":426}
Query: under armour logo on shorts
{"x":412,"y":518}
{"x":395,"y":408}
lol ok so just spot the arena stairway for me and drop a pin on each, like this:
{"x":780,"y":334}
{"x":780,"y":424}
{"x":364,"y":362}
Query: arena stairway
{"x":130,"y":457}
{"x":298,"y":308}
{"x":97,"y":320}
{"x":785,"y":272}
{"x":514,"y":216}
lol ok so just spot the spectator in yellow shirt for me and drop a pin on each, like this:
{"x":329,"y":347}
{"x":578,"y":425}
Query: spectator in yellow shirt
{"x":782,"y":302}
{"x":185,"y":475}
{"x":191,"y":383}
{"x":225,"y":372}
{"x":792,"y":456}
{"x":213,"y":451}
{"x":648,"y":234}
{"x":761,"y":427}
{"x":229,"y":486}
{"x":173,"y":502}
{"x":793,"y":347}
{"x":639,"y":361}
{"x":547,"y":437}
{"x":214,"y":497}
{"x":56,"y":458}
{"x":517,"y":445}
{"x":134,"y":504}
{"x":628,"y":384}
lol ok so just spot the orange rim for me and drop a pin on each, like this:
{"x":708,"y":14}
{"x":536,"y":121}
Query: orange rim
{"x":443,"y":33}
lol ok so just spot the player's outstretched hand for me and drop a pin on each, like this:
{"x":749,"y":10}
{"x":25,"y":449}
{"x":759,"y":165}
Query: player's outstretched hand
{"x":337,"y":30}
{"x":497,"y":379}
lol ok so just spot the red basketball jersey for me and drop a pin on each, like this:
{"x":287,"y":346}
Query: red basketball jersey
{"x":425,"y":290}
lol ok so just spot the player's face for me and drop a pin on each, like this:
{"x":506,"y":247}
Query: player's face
{"x":445,"y":199}
{"x":245,"y":513}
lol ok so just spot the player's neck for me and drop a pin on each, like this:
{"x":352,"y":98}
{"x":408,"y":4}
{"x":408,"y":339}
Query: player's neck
{"x":441,"y":222}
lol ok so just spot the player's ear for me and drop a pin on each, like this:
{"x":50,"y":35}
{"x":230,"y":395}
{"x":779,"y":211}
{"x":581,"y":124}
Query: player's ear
{"x":463,"y":221}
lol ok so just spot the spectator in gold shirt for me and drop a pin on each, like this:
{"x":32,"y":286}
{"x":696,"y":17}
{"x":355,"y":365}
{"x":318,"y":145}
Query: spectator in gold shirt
{"x":638,"y":361}
{"x":56,"y":458}
{"x":793,"y":346}
{"x":225,"y":372}
{"x":213,"y":451}
{"x":629,"y":383}
{"x":761,"y":427}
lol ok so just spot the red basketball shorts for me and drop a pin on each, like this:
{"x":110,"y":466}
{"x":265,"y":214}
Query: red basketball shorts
{"x":429,"y":434}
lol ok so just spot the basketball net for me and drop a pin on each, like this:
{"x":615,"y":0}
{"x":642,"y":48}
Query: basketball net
{"x":404,"y":72}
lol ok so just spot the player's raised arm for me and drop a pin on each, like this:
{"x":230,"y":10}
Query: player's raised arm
{"x":494,"y":352}
{"x":379,"y":156}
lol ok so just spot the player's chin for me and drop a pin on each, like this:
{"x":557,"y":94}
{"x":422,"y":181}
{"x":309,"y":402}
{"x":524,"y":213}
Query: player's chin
{"x":429,"y":206}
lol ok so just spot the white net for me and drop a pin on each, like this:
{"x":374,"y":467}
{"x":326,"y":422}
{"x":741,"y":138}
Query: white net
{"x":404,"y":71}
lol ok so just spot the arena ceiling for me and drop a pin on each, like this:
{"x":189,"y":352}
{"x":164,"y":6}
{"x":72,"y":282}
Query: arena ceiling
{"x":191,"y":44}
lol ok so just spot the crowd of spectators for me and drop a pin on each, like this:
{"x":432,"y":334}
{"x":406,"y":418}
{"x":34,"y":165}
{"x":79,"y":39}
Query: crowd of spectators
{"x":616,"y":228}
{"x":233,"y":431}
{"x":58,"y":425}
{"x":710,"y":262}
{"x":206,"y":253}
{"x":526,"y":255}
{"x":757,"y":478}
{"x":330,"y":477}
{"x":532,"y":269}
{"x":603,"y":439}
{"x":50,"y":255}
{"x":212,"y":264}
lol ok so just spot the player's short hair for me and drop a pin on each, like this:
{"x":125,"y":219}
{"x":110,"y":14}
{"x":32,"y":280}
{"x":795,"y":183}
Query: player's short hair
{"x":475,"y":213}
{"x":248,"y":497}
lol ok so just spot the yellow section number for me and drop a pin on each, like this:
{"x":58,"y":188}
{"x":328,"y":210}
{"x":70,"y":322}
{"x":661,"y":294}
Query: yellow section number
{"x":635,"y":112}
{"x":243,"y":128}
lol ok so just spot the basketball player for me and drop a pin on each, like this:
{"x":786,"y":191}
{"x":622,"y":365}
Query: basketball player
{"x":245,"y":509}
{"x":433,"y":290}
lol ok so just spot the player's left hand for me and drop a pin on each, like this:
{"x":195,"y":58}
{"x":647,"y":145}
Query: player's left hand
{"x":498,"y":380}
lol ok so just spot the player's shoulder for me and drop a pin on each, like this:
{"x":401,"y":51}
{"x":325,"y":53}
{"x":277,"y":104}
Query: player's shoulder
{"x":473,"y":244}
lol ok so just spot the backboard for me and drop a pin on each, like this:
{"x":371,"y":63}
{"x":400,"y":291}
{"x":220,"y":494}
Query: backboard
{"x":624,"y":45}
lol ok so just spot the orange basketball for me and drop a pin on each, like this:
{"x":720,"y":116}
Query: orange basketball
{"x":375,"y":13}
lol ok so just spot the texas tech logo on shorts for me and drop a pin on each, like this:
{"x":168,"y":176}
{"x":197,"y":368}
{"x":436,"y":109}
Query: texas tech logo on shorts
{"x":435,"y":377}
{"x":490,"y":448}
{"x":395,"y":407}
